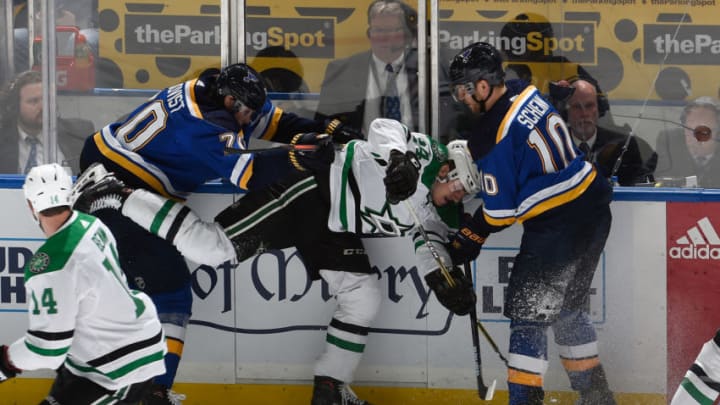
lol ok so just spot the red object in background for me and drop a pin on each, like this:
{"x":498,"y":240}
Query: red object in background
{"x":693,"y":284}
{"x":74,"y":62}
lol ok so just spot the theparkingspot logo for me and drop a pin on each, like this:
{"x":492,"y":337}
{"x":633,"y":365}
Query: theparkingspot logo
{"x":700,"y":241}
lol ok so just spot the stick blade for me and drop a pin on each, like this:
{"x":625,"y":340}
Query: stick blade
{"x":487,"y":393}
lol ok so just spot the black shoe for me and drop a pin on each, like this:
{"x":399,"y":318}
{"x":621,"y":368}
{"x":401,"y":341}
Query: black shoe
{"x":329,"y":391}
{"x":161,"y":395}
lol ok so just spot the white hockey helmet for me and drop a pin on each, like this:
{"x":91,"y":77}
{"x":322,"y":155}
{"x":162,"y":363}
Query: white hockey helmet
{"x":48,"y":186}
{"x":464,"y":169}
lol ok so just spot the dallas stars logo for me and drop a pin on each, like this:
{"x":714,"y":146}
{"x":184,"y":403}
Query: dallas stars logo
{"x":384,"y":221}
{"x":39,"y":262}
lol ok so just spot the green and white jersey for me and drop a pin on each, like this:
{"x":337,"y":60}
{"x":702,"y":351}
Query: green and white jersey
{"x":357,"y":192}
{"x":82,"y":313}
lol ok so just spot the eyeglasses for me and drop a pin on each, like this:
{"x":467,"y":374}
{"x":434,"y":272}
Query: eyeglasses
{"x":459,"y":91}
{"x":385,"y":31}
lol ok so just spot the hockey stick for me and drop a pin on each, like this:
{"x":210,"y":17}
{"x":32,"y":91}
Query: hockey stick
{"x":486,"y":393}
{"x":431,"y":246}
{"x":237,"y":151}
{"x":491,"y":341}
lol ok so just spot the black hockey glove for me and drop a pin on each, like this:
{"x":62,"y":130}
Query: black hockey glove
{"x":315,"y":159}
{"x":401,"y":176}
{"x":466,"y":243}
{"x":7,"y":370}
{"x":97,"y":189}
{"x":340,"y":132}
{"x":459,"y":299}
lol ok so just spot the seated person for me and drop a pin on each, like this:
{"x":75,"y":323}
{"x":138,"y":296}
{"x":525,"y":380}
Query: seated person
{"x":681,"y":154}
{"x":21,"y":124}
{"x":380,"y":82}
{"x":603,"y":146}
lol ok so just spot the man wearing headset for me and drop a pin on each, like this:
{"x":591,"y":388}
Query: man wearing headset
{"x":21,"y":111}
{"x":380,"y":82}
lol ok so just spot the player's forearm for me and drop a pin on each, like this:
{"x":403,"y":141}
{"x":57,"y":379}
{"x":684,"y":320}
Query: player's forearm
{"x":199,"y":241}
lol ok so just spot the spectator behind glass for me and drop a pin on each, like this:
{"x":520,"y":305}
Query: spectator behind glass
{"x":359,"y":88}
{"x":681,"y":155}
{"x":604,"y":146}
{"x":21,"y":128}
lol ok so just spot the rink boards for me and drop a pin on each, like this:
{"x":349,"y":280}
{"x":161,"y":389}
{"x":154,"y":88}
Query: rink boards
{"x":258,"y":326}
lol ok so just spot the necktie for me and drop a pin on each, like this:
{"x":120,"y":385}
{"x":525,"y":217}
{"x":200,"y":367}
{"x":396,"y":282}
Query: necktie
{"x":32,"y":156}
{"x":391,"y":101}
{"x":585,"y":148}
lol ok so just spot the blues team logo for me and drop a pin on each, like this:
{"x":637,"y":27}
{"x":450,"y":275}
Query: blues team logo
{"x":39,"y":263}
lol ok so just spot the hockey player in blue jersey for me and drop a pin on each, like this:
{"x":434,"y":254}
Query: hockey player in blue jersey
{"x":532,"y":174}
{"x":173,"y":143}
{"x":336,"y":197}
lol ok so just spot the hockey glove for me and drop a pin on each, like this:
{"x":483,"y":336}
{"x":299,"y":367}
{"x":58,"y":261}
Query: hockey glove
{"x":97,"y":189}
{"x":342,"y":133}
{"x":466,"y":243}
{"x":317,"y":159}
{"x":459,"y":299}
{"x":401,"y":176}
{"x":7,"y":370}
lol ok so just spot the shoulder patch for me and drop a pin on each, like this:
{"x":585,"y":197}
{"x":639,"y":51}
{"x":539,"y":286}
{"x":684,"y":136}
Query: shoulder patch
{"x":39,"y":262}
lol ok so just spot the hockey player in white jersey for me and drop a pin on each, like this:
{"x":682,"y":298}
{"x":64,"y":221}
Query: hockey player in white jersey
{"x":701,"y":384}
{"x":104,"y":339}
{"x":335,"y":198}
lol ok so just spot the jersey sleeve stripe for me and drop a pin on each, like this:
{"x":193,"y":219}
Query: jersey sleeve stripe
{"x":175,"y":227}
{"x":271,"y":207}
{"x":125,"y":350}
{"x":350,"y":153}
{"x":52,"y":335}
{"x":158,"y":182}
{"x":190,"y":100}
{"x":509,"y":118}
{"x":242,"y":172}
{"x":121,"y":371}
{"x":47,"y":352}
{"x":549,"y":202}
{"x":269,"y":132}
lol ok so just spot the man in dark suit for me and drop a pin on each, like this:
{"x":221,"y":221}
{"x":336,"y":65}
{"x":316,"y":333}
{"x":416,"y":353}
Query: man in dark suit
{"x":603,"y":146}
{"x":21,"y":126}
{"x":367,"y":85}
{"x":681,"y":155}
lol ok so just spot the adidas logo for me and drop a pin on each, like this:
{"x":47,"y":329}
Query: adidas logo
{"x":700,"y":242}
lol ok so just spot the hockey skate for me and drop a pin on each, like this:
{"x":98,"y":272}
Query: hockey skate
{"x":97,"y":189}
{"x":160,"y":395}
{"x":329,"y":391}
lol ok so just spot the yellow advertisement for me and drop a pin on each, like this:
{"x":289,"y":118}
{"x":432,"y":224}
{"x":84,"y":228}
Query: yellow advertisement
{"x":148,"y":44}
{"x":635,"y":49}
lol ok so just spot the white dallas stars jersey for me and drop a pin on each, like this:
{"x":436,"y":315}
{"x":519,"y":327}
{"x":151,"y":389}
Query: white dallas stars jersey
{"x":358,"y":201}
{"x":357,"y":191}
{"x":83,"y":314}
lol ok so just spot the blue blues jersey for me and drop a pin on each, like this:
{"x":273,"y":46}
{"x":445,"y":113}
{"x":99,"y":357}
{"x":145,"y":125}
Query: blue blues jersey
{"x":533,"y":166}
{"x":175,"y":141}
